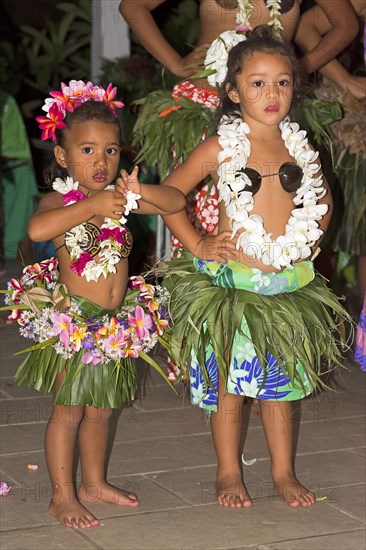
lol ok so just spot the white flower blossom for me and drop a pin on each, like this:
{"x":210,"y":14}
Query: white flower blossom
{"x":218,"y":53}
{"x":77,"y":237}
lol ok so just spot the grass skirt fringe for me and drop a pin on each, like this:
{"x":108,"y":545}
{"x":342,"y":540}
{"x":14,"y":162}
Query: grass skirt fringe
{"x":101,"y":385}
{"x":303,"y":326}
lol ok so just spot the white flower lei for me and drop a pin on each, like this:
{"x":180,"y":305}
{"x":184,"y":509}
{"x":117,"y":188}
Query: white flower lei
{"x":110,"y":254}
{"x":245,"y":11}
{"x":302,"y":228}
{"x":218,"y":53}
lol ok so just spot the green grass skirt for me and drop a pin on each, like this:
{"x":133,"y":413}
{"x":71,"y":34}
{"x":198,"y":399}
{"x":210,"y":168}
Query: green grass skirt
{"x":103,"y":385}
{"x":301,"y":326}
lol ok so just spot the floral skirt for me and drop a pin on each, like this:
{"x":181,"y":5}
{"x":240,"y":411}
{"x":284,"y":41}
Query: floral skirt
{"x":106,"y":385}
{"x":269,"y":335}
{"x":94,"y":349}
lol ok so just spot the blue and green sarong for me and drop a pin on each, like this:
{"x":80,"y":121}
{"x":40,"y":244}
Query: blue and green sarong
{"x":268,"y":335}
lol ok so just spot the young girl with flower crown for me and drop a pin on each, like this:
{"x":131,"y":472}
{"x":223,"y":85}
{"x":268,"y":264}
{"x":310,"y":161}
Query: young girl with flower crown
{"x":170,"y":124}
{"x":259,"y":318}
{"x":87,"y":335}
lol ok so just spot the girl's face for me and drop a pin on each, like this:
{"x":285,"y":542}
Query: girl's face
{"x":90,"y":154}
{"x":264,"y":88}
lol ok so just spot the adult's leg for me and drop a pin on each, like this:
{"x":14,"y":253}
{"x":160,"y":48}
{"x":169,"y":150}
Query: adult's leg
{"x":277,"y":419}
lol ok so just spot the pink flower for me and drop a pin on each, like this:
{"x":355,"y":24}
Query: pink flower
{"x":114,"y":342}
{"x":73,"y":95}
{"x":15,"y":285}
{"x":133,"y":350}
{"x":73,"y":196}
{"x":63,"y":327}
{"x":242,"y":28}
{"x":115,"y":234}
{"x":136,"y":281}
{"x":77,"y":266}
{"x":141,"y":323}
{"x":5,"y":488}
{"x":109,"y":95}
{"x":14,"y":315}
{"x":94,"y":356}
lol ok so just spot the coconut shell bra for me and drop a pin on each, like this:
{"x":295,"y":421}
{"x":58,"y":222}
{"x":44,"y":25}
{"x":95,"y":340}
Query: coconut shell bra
{"x":91,"y":245}
{"x":290,"y":175}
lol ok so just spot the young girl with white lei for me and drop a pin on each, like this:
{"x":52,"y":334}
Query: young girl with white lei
{"x":251,"y":318}
{"x":88,"y":332}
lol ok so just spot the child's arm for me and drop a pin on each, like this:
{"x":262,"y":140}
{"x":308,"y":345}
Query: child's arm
{"x":154,"y":199}
{"x":53,"y":219}
{"x":200,"y":163}
{"x":137,"y":13}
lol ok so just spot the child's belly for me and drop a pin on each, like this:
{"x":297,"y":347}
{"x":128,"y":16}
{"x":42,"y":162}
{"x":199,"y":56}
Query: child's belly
{"x":107,"y":293}
{"x":275,"y":218}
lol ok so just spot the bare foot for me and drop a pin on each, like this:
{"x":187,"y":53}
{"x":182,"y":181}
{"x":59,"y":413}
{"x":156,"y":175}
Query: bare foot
{"x":292,"y":492}
{"x":231,"y":491}
{"x":72,"y":514}
{"x":104,"y":492}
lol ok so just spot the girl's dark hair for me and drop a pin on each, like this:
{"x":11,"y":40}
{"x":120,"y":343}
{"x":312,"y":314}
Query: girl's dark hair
{"x":90,"y":110}
{"x":260,"y":39}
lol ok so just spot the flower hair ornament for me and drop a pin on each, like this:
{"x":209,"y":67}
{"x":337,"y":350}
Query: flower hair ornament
{"x":218,"y":53}
{"x":70,"y":98}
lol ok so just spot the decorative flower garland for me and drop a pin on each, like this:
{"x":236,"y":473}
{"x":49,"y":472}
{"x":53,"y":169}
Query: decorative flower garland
{"x":218,"y":53}
{"x":112,"y":236}
{"x":70,"y":98}
{"x":302,"y":228}
{"x":49,"y":316}
{"x":245,"y":11}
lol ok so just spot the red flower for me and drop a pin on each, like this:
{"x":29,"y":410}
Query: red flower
{"x":77,"y":266}
{"x":115,"y":234}
{"x":169,"y":110}
{"x":49,"y":124}
{"x":73,"y":196}
{"x":109,"y":95}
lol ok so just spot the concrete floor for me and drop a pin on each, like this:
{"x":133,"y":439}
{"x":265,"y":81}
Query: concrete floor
{"x":163,"y":451}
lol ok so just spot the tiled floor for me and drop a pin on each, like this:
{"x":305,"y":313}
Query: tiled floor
{"x":163,"y":451}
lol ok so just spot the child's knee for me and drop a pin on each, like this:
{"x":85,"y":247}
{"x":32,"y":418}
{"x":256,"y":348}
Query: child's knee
{"x":94,"y":414}
{"x":67,"y":415}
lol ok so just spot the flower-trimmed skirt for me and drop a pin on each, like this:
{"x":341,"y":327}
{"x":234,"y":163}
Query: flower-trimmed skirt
{"x":106,"y":385}
{"x":269,"y":335}
{"x":96,"y":378}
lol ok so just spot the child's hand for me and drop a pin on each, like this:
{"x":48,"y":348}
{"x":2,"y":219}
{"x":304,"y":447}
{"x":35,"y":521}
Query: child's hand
{"x":109,"y":204}
{"x":129,"y":182}
{"x":217,"y":247}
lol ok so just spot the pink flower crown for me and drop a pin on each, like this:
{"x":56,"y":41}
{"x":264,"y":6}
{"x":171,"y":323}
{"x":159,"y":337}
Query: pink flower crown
{"x":69,"y":99}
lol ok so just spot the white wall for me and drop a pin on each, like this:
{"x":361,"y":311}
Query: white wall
{"x":110,"y":36}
